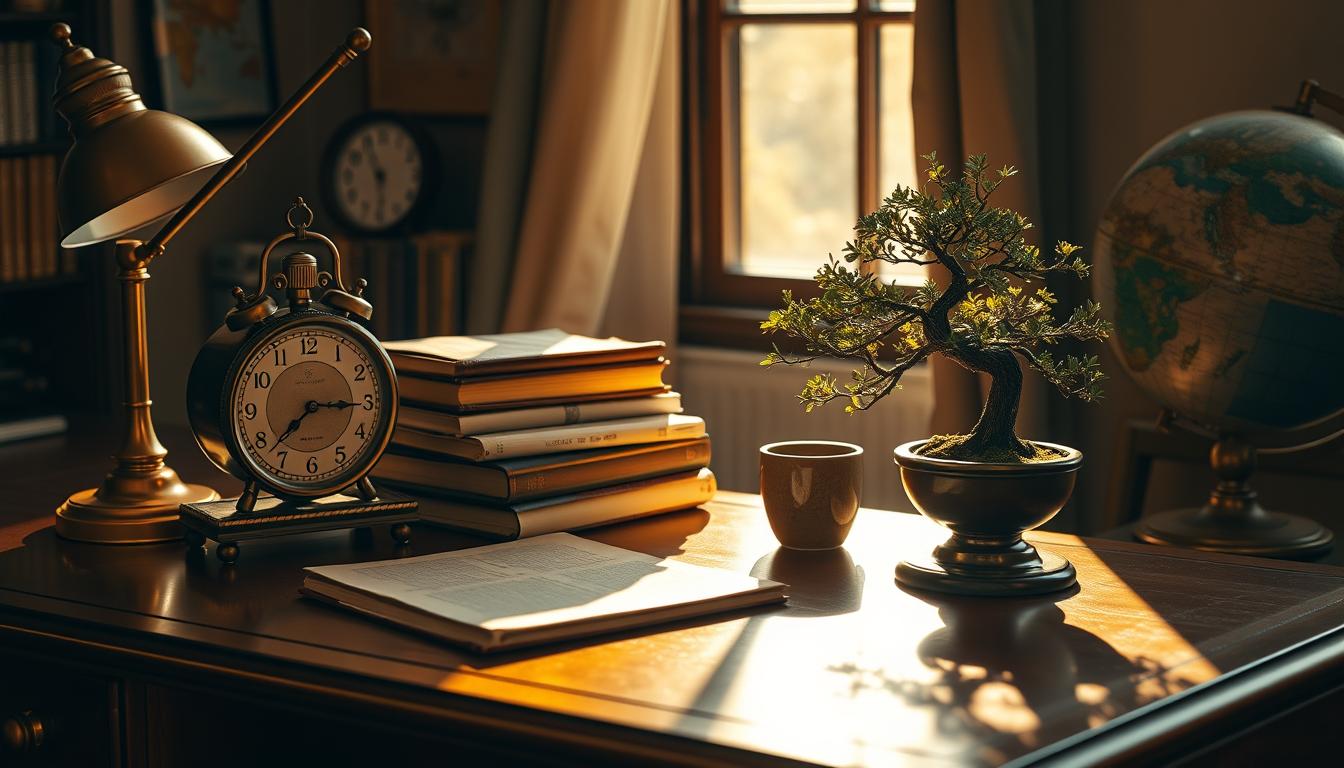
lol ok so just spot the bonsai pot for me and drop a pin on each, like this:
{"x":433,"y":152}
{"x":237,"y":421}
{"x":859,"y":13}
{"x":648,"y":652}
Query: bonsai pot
{"x":987,"y":507}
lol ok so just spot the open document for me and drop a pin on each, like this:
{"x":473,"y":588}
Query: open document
{"x":546,"y":588}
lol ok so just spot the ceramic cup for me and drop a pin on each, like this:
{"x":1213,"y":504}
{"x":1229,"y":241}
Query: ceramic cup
{"x":811,"y":490}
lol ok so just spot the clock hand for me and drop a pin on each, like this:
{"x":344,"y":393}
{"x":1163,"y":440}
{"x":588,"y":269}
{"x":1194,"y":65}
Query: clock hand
{"x":336,"y":404}
{"x":308,"y":407}
{"x":379,"y":175}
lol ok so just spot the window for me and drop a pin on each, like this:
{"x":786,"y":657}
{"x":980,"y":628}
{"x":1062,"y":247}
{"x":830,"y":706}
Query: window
{"x":799,"y":120}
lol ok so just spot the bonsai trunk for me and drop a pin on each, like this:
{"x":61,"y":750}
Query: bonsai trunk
{"x":994,"y":433}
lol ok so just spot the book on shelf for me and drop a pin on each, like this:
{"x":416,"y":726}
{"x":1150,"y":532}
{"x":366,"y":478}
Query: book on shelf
{"x":534,"y":477}
{"x":547,"y":589}
{"x":29,"y":427}
{"x":29,"y":246}
{"x":9,"y":217}
{"x":585,"y":509}
{"x":541,"y":440}
{"x":416,"y":280}
{"x":430,"y":420}
{"x":504,"y":353}
{"x":526,"y":387}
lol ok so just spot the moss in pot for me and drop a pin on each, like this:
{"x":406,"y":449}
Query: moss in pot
{"x":993,"y":314}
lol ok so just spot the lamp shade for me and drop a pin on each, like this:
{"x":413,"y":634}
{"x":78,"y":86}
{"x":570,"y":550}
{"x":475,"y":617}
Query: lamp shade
{"x":129,"y":165}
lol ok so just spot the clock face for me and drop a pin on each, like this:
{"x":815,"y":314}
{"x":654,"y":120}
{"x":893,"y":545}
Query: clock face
{"x":378,"y":176}
{"x":308,"y":408}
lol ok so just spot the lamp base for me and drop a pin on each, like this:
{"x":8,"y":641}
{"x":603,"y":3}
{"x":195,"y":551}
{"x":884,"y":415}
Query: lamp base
{"x":130,"y":510}
{"x":1259,"y":532}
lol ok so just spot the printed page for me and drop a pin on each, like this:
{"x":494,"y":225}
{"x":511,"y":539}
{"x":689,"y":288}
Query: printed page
{"x":508,"y":346}
{"x":553,"y":579}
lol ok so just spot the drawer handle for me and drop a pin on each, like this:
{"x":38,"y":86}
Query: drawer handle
{"x":22,"y":733}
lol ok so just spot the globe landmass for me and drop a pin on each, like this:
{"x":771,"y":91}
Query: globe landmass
{"x":1220,"y":261}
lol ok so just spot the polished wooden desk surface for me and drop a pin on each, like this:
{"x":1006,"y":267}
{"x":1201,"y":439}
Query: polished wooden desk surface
{"x":853,"y":670}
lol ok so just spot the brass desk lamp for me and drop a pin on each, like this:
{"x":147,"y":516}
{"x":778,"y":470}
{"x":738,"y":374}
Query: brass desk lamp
{"x":129,"y":167}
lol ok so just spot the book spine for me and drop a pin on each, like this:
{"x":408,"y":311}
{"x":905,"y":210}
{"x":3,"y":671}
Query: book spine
{"x":37,"y":241}
{"x":583,"y":436}
{"x":6,"y":85}
{"x":9,"y":206}
{"x":561,"y":415}
{"x":680,"y":493}
{"x":23,"y":203}
{"x":28,"y":81}
{"x":13,"y":93}
{"x":553,"y":481}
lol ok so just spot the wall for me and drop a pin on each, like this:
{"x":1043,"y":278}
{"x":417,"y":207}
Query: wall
{"x":1142,"y":69}
{"x":745,"y":407}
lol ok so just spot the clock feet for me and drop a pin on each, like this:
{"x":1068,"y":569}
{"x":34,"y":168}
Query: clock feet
{"x":227,"y":552}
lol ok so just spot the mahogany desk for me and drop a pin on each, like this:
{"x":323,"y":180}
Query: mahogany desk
{"x":150,"y":656}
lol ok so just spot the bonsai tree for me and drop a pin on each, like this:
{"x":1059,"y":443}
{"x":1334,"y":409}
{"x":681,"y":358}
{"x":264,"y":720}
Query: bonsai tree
{"x":994,"y":311}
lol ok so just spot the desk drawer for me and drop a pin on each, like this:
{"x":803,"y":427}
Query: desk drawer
{"x":51,"y":716}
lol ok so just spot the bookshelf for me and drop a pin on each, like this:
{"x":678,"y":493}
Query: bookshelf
{"x":58,"y":336}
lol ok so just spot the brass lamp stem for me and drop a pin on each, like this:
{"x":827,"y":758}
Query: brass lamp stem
{"x":138,"y":500}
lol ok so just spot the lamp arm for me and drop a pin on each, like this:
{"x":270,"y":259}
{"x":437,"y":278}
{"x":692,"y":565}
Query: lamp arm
{"x":358,"y":41}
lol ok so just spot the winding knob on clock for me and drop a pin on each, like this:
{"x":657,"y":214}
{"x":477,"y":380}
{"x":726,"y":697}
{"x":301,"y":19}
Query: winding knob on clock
{"x":300,"y":277}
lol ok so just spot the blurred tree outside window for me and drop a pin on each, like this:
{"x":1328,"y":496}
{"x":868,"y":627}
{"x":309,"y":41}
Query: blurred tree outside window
{"x":806,"y":124}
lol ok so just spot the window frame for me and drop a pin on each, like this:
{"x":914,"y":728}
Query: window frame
{"x":710,"y":152}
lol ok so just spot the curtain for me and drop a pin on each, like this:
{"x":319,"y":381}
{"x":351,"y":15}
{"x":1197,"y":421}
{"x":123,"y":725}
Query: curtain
{"x":579,"y":216}
{"x":975,"y":91}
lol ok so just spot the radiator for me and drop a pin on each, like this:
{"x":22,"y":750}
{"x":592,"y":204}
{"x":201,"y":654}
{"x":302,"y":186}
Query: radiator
{"x":746,"y":406}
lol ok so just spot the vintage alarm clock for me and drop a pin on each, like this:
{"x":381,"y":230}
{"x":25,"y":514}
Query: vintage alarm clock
{"x":298,"y":402}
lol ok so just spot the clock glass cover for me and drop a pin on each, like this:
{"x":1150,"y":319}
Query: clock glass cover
{"x":307,"y":405}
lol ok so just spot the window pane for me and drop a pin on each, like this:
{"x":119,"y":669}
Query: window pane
{"x":791,"y":6}
{"x":797,"y":147}
{"x":906,"y":6}
{"x":896,"y":127}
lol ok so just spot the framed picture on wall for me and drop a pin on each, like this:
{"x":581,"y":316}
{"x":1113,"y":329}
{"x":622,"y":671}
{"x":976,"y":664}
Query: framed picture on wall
{"x":215,"y":62}
{"x":433,"y":57}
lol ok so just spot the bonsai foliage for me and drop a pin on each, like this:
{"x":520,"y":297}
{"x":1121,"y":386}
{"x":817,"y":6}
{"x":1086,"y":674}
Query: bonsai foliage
{"x":993,"y":311}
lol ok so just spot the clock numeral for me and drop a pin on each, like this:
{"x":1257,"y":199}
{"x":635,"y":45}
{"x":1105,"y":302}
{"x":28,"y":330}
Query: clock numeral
{"x":312,"y":464}
{"x":261,"y":380}
{"x":261,"y":439}
{"x":359,"y":431}
{"x":338,"y":351}
{"x":281,"y":357}
{"x":283,"y":455}
{"x":368,"y":402}
{"x":359,"y":372}
{"x":250,"y":411}
{"x":308,"y":345}
{"x":340,"y":454}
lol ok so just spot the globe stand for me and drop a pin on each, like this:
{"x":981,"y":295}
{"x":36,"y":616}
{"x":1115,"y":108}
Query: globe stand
{"x":1233,"y":521}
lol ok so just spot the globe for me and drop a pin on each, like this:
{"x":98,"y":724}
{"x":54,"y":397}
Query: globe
{"x":1220,"y":261}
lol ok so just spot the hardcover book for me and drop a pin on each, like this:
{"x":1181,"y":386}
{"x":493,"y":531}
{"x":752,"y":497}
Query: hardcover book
{"x":600,"y":506}
{"x":550,"y":588}
{"x":462,"y":356}
{"x":526,"y":387}
{"x":442,"y":422}
{"x":533,"y":477}
{"x":572,"y":437}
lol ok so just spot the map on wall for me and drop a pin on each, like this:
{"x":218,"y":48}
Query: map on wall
{"x":213,"y":60}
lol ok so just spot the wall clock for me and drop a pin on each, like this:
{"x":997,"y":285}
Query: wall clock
{"x":379,"y":173}
{"x":298,"y":402}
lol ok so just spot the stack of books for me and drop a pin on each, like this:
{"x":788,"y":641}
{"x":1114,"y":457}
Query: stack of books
{"x":521,"y":434}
